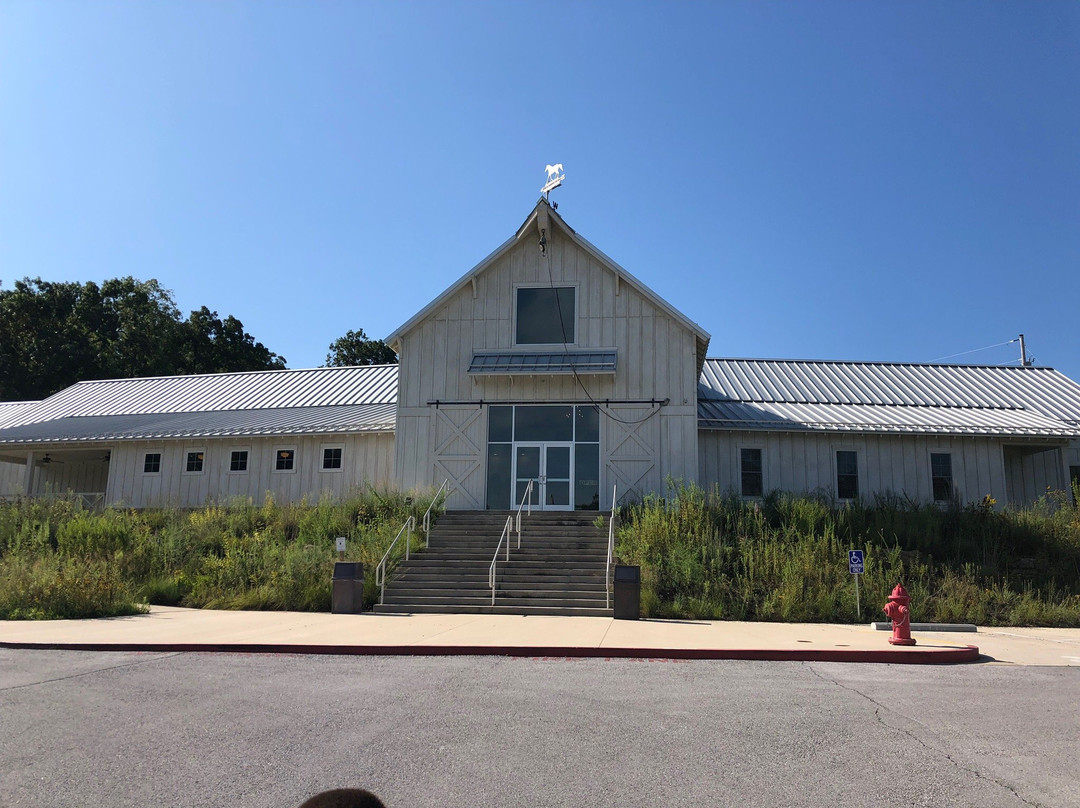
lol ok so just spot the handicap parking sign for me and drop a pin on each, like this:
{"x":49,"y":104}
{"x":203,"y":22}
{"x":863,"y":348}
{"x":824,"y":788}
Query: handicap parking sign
{"x":855,"y":562}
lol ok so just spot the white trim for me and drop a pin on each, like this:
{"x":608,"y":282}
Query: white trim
{"x":739,"y":449}
{"x":161,"y":456}
{"x":247,"y":459}
{"x":540,"y":347}
{"x":322,"y":458}
{"x":860,"y":483}
{"x":930,"y":452}
{"x":184,"y":461}
{"x":285,"y":447}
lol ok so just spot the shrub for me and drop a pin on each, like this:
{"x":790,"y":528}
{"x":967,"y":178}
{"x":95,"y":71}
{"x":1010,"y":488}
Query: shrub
{"x":785,"y":558}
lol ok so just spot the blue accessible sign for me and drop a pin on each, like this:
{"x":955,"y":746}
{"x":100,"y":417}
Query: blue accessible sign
{"x":855,"y":562}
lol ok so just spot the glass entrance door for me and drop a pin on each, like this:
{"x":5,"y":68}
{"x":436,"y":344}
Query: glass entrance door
{"x":550,"y":466}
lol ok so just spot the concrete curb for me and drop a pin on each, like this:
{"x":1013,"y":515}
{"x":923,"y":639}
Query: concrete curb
{"x":948,"y":627}
{"x":902,"y":656}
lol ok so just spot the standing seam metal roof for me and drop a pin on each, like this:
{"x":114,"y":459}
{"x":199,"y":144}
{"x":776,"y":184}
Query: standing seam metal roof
{"x":222,"y":423}
{"x":1044,"y":390}
{"x":222,"y":392}
{"x":757,"y":393}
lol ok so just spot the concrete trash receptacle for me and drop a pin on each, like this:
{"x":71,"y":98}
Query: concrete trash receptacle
{"x":627,"y":592}
{"x":348,"y":594}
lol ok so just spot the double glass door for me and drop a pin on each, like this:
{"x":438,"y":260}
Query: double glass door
{"x":551,"y":468}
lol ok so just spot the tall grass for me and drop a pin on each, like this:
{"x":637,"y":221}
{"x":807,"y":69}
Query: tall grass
{"x":58,"y":560}
{"x":710,"y":554}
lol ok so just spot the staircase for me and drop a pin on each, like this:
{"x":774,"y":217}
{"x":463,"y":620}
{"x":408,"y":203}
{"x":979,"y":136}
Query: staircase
{"x":559,"y":569}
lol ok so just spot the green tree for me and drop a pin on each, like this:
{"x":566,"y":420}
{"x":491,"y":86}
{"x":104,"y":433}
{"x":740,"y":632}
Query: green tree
{"x":53,"y":335}
{"x":356,"y":349}
{"x":213,"y":345}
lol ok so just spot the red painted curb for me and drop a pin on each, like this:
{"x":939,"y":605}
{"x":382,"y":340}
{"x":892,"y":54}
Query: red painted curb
{"x":902,"y":656}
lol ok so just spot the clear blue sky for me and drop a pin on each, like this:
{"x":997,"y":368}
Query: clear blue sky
{"x":873,"y":181}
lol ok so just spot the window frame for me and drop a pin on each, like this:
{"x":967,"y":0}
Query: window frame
{"x":295,"y":456}
{"x":836,"y":473}
{"x":761,"y":458}
{"x":952,"y":476}
{"x":247,"y":459}
{"x":575,"y":342}
{"x":186,"y":458}
{"x":323,"y":449}
{"x":160,"y":456}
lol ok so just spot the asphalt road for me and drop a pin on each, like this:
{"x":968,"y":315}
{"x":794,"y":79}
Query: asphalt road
{"x":124,"y":729}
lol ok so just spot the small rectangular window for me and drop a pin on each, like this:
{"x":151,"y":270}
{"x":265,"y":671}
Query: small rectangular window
{"x":284,"y":459}
{"x":545,"y":315}
{"x":238,"y":460}
{"x":847,"y":475}
{"x":752,"y":473}
{"x":152,"y":463}
{"x":194,"y":463}
{"x":941,"y":476}
{"x":331,"y":458}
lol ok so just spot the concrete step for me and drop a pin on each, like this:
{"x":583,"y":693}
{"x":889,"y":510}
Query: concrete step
{"x":484,"y":599}
{"x":559,"y":568}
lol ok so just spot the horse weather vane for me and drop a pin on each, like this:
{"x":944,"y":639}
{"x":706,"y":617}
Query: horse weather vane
{"x":555,"y":178}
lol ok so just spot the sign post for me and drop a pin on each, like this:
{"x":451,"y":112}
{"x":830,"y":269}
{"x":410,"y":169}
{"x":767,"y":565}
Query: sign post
{"x":340,"y":542}
{"x":856,"y":566}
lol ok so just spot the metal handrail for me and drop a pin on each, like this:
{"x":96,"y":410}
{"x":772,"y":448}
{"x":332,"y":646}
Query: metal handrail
{"x":380,"y":570}
{"x":526,"y":497}
{"x":610,"y":548}
{"x":511,"y":522}
{"x":427,"y":514}
{"x":491,"y":570}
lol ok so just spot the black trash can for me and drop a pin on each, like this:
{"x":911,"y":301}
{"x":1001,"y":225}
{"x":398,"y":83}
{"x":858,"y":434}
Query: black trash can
{"x":348,"y":595}
{"x":627,"y":592}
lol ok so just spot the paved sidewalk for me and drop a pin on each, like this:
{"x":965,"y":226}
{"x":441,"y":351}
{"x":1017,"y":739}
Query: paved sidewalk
{"x":166,"y":628}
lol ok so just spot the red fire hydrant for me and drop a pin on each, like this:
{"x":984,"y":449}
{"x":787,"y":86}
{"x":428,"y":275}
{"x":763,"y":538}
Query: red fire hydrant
{"x":897,"y":610}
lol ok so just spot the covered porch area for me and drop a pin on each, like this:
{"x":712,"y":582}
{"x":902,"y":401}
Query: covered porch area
{"x":1033,"y":468}
{"x":55,"y":471}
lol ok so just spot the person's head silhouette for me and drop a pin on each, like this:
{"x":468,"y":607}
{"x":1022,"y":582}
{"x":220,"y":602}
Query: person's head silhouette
{"x":344,"y":798}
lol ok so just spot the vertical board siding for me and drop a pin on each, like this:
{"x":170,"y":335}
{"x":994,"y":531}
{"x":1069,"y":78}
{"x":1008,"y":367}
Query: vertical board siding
{"x":888,"y":464}
{"x":12,"y":477}
{"x":656,"y":360}
{"x":367,"y":460}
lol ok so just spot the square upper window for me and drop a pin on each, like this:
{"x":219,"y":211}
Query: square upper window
{"x":238,"y":460}
{"x":194,"y":462}
{"x":152,"y":463}
{"x":331,"y":458}
{"x":284,"y":459}
{"x":546,"y":315}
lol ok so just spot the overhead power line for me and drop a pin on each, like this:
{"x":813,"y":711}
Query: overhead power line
{"x":976,"y":350}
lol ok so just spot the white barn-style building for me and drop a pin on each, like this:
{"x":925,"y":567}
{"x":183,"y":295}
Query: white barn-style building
{"x":549,"y":362}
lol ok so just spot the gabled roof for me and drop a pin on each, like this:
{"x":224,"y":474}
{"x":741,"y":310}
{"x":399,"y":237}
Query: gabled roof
{"x":274,"y":402}
{"x":887,"y":397}
{"x":529,"y":225}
